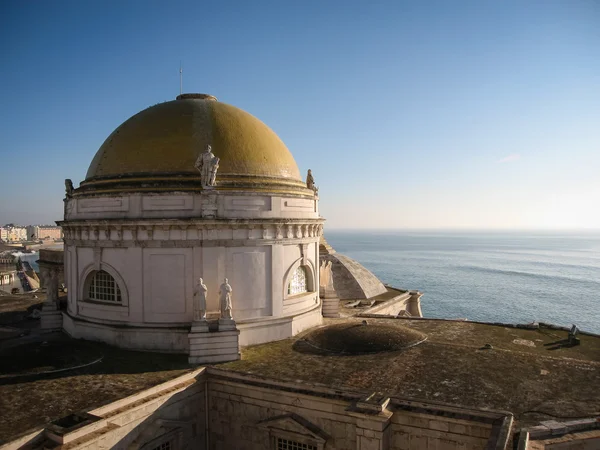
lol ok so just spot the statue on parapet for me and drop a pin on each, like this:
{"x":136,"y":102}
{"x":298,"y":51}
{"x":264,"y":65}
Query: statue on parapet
{"x":200,"y":301}
{"x":207,"y":164}
{"x":68,"y":188}
{"x":51,"y":284}
{"x":225,"y":299}
{"x":310,"y":183}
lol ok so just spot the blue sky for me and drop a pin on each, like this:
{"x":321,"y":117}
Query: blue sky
{"x":424,"y":114}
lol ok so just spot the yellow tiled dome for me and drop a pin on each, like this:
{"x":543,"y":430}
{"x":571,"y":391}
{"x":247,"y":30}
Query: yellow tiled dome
{"x":161,"y":143}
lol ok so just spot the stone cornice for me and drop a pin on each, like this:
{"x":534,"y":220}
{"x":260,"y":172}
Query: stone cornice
{"x":189,"y":222}
{"x":188,"y":233}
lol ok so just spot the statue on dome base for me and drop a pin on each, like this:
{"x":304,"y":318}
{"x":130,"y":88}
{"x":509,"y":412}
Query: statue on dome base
{"x":200,"y":324}
{"x":50,"y":277}
{"x":207,"y":164}
{"x":226,"y":322}
{"x":310,"y":183}
{"x":200,"y":301}
{"x":225,"y":299}
{"x":68,"y":188}
{"x":213,"y":171}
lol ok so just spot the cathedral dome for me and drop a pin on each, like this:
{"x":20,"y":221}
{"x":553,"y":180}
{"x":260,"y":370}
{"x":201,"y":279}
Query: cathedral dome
{"x":156,"y":150}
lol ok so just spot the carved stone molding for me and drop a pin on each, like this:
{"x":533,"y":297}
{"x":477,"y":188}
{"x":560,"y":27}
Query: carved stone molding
{"x":142,"y":234}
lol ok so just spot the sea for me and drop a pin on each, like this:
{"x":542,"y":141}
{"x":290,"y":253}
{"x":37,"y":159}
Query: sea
{"x":510,"y":277}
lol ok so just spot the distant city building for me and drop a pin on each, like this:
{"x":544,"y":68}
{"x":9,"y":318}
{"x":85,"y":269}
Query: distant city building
{"x":7,"y":258}
{"x":12,"y":233}
{"x":8,"y":274}
{"x":37,"y":232}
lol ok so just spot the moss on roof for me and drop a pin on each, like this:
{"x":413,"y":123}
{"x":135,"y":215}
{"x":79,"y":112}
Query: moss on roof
{"x":358,"y":338}
{"x":32,"y":401}
{"x":521,"y":373}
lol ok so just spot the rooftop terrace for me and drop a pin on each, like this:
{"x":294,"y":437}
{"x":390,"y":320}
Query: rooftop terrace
{"x":527,"y":372}
{"x":35,"y":388}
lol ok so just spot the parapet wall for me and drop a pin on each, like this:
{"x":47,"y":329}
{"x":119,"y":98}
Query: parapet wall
{"x":52,"y":256}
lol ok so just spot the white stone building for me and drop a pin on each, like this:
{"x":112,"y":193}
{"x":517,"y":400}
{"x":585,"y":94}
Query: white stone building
{"x":143,"y":227}
{"x":36,"y":232}
{"x":11,"y":233}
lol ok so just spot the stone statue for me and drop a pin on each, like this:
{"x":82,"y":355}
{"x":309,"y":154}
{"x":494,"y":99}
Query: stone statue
{"x":310,"y":183}
{"x":207,"y":164}
{"x":213,"y":171}
{"x":200,"y":301}
{"x":326,"y":288}
{"x":225,"y":299}
{"x":51,"y":285}
{"x":68,"y":188}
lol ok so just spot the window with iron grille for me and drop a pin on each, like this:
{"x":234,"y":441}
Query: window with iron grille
{"x":286,"y":444}
{"x":163,"y":446}
{"x":104,"y":288}
{"x":297,"y":283}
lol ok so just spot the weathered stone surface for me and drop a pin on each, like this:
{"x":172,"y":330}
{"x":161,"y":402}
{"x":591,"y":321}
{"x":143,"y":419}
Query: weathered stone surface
{"x":214,"y":347}
{"x":352,"y":280}
{"x":324,"y":247}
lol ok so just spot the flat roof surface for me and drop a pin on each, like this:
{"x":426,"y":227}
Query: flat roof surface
{"x":30,"y":399}
{"x":15,"y":309}
{"x":521,"y":373}
{"x":525,"y":372}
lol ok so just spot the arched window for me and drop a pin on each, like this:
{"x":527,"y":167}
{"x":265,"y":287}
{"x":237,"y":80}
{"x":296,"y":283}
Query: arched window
{"x":104,"y":288}
{"x":297,"y":283}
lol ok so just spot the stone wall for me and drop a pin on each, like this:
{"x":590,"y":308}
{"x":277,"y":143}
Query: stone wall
{"x":409,"y":302}
{"x":236,"y":412}
{"x":51,"y":260}
{"x":173,"y":411}
{"x":247,"y":413}
{"x":215,"y":409}
{"x":424,"y":432}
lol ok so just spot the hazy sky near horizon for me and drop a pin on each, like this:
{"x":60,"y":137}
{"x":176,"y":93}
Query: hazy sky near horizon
{"x":420,"y":114}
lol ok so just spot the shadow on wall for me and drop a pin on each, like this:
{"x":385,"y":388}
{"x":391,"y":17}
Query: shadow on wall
{"x":73,"y":375}
{"x":172,"y":418}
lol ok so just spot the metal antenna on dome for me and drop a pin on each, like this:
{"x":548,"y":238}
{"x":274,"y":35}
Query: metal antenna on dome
{"x":180,"y":79}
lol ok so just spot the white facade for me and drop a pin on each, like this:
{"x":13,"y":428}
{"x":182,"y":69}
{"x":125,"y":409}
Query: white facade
{"x":43,"y":232}
{"x":13,"y":234}
{"x":156,"y":246}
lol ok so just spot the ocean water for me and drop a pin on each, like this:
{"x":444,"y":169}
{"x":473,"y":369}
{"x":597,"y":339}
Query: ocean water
{"x":493,"y":277}
{"x":32,"y":257}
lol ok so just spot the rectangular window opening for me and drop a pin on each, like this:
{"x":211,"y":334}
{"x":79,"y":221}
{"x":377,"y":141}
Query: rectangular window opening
{"x":163,"y":446}
{"x":286,"y":444}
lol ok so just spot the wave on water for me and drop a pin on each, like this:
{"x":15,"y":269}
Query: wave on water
{"x":522,"y":273}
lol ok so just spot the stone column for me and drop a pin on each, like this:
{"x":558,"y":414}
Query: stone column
{"x":51,"y":317}
{"x":329,"y":298}
{"x":373,"y":422}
